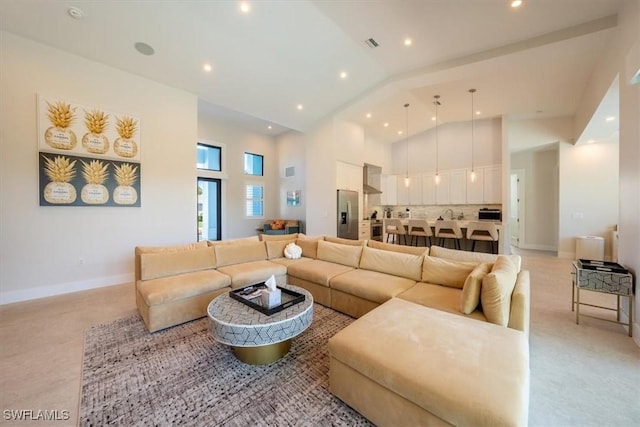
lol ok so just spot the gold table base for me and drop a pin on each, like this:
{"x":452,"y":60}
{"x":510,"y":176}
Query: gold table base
{"x":262,"y":355}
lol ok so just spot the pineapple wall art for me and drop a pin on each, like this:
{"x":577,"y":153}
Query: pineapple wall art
{"x":81,"y":181}
{"x":75,"y":129}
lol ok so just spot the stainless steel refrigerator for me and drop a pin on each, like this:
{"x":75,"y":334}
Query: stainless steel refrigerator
{"x":348,"y":214}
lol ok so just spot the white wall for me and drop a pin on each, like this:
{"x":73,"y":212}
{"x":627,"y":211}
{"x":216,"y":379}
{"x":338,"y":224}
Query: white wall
{"x":291,"y":153}
{"x":588,"y":204}
{"x":540,"y":198}
{"x":237,"y":141}
{"x":454,"y":147}
{"x":41,"y":247}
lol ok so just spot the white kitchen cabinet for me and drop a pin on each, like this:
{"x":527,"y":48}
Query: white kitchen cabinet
{"x":458,"y":186}
{"x":492,"y":184}
{"x":475,"y":189}
{"x":415,"y":190}
{"x":402,"y":191}
{"x":429,"y":188}
{"x":443,"y":191}
{"x":388,"y":186}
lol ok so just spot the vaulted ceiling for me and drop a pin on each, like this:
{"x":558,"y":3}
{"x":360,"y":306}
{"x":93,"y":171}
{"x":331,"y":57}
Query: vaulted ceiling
{"x":279,"y":65}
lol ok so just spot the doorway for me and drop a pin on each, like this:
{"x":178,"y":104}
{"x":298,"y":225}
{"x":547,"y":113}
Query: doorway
{"x":516,"y":209}
{"x":209,"y":209}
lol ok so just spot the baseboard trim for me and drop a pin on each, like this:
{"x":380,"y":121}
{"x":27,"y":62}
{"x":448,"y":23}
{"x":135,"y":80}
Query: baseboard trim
{"x":538,"y":247}
{"x":63,"y":288}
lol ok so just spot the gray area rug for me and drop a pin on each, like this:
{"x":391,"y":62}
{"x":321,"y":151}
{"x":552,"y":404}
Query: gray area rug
{"x":182,"y":376}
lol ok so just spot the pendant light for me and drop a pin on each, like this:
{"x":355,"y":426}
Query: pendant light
{"x":473,"y":172}
{"x":437,"y":102}
{"x":406,"y":177}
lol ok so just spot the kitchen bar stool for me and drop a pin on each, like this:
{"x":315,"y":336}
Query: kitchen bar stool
{"x":420,"y":228}
{"x":448,"y":230}
{"x":394,"y":227}
{"x":483,"y":231}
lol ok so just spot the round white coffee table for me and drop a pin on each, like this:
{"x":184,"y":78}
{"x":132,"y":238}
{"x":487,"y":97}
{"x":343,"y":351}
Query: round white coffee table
{"x":254,"y":337}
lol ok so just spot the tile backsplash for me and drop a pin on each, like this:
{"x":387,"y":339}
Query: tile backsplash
{"x":469,"y":212}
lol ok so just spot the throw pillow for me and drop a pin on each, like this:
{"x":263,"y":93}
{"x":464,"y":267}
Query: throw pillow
{"x":470,"y":297}
{"x":496,"y":291}
{"x":446,"y":272}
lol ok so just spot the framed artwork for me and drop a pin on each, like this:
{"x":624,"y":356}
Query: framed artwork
{"x":293,"y":198}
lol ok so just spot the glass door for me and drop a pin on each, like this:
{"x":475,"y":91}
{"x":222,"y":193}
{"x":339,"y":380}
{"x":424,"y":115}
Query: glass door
{"x":209,"y":201}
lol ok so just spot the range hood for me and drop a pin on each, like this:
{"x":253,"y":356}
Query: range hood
{"x":371,"y":178}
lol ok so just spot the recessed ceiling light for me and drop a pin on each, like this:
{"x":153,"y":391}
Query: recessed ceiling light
{"x":610,"y":118}
{"x":516,"y":3}
{"x":300,"y":107}
{"x":433,"y":118}
{"x":144,"y":48}
{"x":343,"y":75}
{"x":400,"y":132}
{"x":75,"y":13}
{"x":386,"y":125}
{"x":245,"y":7}
{"x":368,"y":115}
{"x":207,"y":68}
{"x":269,"y":127}
{"x":478,"y":113}
{"x":408,"y":41}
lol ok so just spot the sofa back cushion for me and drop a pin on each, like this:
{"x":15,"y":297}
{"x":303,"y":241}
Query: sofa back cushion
{"x":139,"y":250}
{"x":275,"y":248}
{"x":270,"y":237}
{"x":154,"y":265}
{"x":470,"y":296}
{"x":338,"y":253}
{"x":240,"y":241}
{"x":467,"y":256}
{"x":446,"y":272}
{"x":496,"y":291}
{"x":343,"y":241}
{"x":413,"y":250}
{"x":238,"y":254}
{"x":309,"y":245}
{"x":394,"y":263}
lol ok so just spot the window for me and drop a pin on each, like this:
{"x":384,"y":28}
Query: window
{"x":209,"y":157}
{"x":253,"y":164}
{"x":209,"y":209}
{"x":254,"y":201}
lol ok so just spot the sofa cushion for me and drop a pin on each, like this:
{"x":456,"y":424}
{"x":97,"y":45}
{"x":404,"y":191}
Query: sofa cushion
{"x":340,"y":254}
{"x":275,"y":248}
{"x":173,"y":288}
{"x":238,"y":254}
{"x":162,"y":264}
{"x":240,"y":241}
{"x":139,"y":250}
{"x":393,"y":263}
{"x":343,"y":241}
{"x":370,"y":285}
{"x":317,"y":271}
{"x":249,"y":273}
{"x":467,"y":256}
{"x":446,"y":272}
{"x":439,"y":297}
{"x":276,"y":237}
{"x":465,"y":372}
{"x":309,"y":245}
{"x":288,"y":261}
{"x":413,"y":250}
{"x":470,"y":297}
{"x":497,"y":287}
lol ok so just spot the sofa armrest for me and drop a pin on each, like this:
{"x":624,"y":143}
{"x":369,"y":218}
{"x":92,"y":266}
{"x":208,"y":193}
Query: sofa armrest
{"x":521,"y":303}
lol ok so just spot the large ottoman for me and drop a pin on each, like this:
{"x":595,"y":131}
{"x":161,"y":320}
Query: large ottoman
{"x":404,"y":364}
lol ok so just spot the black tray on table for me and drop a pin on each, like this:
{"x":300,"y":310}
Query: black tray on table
{"x":288,"y":299}
{"x":606,"y":266}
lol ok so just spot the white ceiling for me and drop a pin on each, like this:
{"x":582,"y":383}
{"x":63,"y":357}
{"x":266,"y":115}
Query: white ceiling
{"x":529,"y":62}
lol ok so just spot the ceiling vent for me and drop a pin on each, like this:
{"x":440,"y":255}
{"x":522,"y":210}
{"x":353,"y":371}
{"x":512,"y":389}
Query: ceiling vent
{"x":371,"y":43}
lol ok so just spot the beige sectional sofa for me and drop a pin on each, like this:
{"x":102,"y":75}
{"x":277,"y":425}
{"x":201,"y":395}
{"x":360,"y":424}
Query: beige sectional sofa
{"x":441,"y":336}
